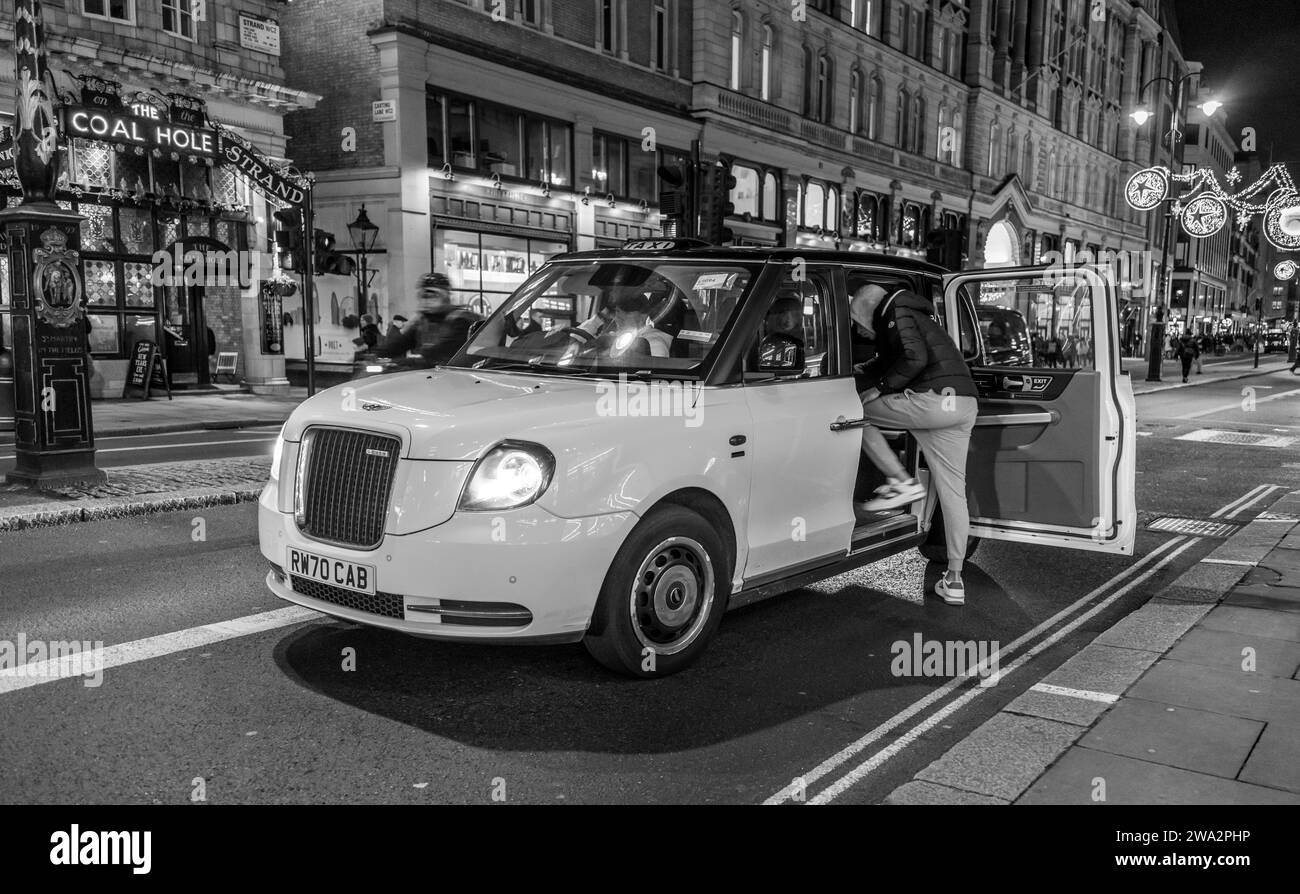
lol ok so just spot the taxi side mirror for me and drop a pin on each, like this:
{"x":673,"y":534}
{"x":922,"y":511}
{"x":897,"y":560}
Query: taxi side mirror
{"x":780,"y":354}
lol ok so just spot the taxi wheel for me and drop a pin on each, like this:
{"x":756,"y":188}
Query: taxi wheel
{"x":935,"y":547}
{"x":663,"y":597}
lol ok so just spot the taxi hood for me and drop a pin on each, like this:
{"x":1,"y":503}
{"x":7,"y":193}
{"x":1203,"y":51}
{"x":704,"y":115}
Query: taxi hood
{"x":457,"y":414}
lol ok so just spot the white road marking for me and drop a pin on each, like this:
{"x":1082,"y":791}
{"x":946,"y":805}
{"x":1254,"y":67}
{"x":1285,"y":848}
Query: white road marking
{"x":1228,"y":562}
{"x":54,"y":669}
{"x":1086,"y":694}
{"x":800,"y":784}
{"x":1265,"y":490}
{"x":1237,"y":405}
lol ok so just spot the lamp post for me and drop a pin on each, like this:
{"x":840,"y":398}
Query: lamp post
{"x":363,"y":234}
{"x":1156,"y":343}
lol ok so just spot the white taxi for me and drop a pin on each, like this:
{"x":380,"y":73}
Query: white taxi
{"x":639,"y":439}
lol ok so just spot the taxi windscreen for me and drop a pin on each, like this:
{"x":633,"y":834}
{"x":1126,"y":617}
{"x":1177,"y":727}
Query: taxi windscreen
{"x":658,"y":315}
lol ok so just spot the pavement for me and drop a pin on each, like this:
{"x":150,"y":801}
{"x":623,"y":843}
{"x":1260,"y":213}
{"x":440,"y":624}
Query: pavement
{"x":188,"y":412}
{"x":1215,"y":369}
{"x":1194,"y":698}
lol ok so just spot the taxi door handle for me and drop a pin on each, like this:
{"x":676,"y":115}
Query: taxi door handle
{"x":1013,"y":383}
{"x":842,"y":424}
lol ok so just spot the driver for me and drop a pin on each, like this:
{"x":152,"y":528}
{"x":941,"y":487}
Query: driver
{"x":628,"y":328}
{"x":785,"y":316}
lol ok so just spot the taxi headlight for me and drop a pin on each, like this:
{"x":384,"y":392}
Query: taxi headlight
{"x":510,"y":475}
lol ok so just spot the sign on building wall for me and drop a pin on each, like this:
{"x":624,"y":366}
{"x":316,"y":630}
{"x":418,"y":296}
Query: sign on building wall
{"x":383,"y":110}
{"x":138,"y":125}
{"x":258,"y":33}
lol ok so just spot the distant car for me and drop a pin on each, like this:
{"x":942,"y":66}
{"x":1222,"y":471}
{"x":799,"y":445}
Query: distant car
{"x":1006,"y":337}
{"x":1275,"y":340}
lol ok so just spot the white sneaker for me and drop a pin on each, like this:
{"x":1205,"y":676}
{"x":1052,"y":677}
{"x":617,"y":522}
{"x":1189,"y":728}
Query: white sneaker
{"x":951,"y":592}
{"x":891,"y":496}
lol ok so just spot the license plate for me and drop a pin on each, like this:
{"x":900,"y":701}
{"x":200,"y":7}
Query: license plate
{"x":335,"y":572}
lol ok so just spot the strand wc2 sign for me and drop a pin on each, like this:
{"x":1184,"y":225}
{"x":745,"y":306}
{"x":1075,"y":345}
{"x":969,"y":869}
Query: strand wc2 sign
{"x":276,"y":185}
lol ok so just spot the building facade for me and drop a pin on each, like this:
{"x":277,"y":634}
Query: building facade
{"x":485,"y":136}
{"x":142,"y":84}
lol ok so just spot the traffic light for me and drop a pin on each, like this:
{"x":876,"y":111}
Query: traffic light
{"x":677,"y":198}
{"x":329,"y":261}
{"x":288,"y":238}
{"x":943,"y":247}
{"x":715,"y":202}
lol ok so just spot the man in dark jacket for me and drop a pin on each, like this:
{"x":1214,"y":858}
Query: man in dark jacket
{"x":438,"y":330}
{"x":919,"y":382}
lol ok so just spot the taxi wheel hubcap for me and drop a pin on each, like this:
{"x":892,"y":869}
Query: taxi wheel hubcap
{"x":672,"y":595}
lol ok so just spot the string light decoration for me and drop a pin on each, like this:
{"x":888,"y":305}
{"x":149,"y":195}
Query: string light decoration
{"x":1204,"y":210}
{"x":1285,"y":269}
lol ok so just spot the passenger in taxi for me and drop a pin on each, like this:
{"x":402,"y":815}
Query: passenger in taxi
{"x":919,"y":382}
{"x":785,"y":317}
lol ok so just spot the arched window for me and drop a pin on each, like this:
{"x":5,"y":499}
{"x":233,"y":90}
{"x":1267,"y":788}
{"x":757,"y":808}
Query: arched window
{"x":832,"y":209}
{"x":995,"y":150}
{"x":769,"y":39}
{"x":824,"y":84}
{"x":769,"y":196}
{"x":855,"y":101}
{"x":1013,"y":153}
{"x":875,"y":100}
{"x":901,"y":119}
{"x":865,"y":226}
{"x":1051,"y":173}
{"x":1027,"y":162}
{"x":918,"y":124}
{"x":943,"y":144}
{"x":737,"y":48}
{"x":959,"y":137}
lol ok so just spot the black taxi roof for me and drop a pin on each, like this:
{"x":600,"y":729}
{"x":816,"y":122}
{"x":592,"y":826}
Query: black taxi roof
{"x":758,"y":253}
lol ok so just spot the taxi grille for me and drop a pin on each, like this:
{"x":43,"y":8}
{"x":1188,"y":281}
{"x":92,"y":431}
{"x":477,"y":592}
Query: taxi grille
{"x":389,"y":605}
{"x":347,"y":477}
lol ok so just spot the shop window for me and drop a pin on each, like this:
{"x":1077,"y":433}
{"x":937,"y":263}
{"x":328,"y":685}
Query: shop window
{"x":641,"y":174}
{"x":485,"y":268}
{"x":745,"y":194}
{"x":139,"y":328}
{"x":814,"y":205}
{"x":132,"y":172}
{"x":139,"y":285}
{"x":198,"y":226}
{"x":103,"y":336}
{"x":866,"y":217}
{"x":96,"y":228}
{"x":195,"y":184}
{"x":116,"y":10}
{"x":225,"y":190}
{"x":771,"y":194}
{"x":92,"y":164}
{"x":101,"y":282}
{"x":137,"y":231}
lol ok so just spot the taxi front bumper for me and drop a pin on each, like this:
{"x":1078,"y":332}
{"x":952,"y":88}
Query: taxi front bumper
{"x":519,"y":576}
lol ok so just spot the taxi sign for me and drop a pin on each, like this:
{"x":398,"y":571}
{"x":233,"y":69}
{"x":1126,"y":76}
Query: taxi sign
{"x":664,"y":244}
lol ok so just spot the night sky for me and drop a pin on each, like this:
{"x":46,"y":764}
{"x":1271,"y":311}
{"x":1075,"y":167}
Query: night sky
{"x":1251,"y":53}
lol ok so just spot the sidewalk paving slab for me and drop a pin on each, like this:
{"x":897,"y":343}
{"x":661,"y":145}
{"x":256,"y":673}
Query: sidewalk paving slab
{"x":1101,"y":669}
{"x":1253,"y":696}
{"x":1276,"y":759}
{"x":1084,"y":776}
{"x":1253,"y":622}
{"x":1002,"y":757}
{"x":1154,"y":627}
{"x":920,"y":793}
{"x":1175,"y":736}
{"x":1227,"y":651}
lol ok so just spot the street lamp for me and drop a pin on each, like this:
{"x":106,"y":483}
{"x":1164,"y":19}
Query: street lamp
{"x":1141,"y":115}
{"x":363,"y":234}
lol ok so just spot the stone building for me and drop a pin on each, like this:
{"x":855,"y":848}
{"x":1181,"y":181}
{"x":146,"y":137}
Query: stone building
{"x":143,"y":84}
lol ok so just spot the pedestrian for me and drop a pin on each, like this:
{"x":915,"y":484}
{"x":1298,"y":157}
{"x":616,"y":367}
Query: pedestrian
{"x":1187,"y":352}
{"x":1204,"y":345}
{"x":917,"y":381}
{"x":438,"y":330}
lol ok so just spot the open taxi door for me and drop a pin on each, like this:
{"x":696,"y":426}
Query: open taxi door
{"x":1052,"y":457}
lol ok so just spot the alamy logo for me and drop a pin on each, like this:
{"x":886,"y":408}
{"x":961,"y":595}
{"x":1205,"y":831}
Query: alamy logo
{"x":210,"y":267}
{"x":945,"y":658}
{"x":78,"y":848}
{"x":54,"y":659}
{"x":653,"y":398}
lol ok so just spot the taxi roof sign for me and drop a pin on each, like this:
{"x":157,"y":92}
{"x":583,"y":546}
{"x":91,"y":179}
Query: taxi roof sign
{"x":665,"y":244}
